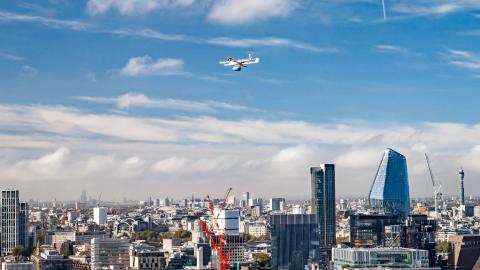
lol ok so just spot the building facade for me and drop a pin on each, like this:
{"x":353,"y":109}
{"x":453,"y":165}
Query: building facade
{"x":465,"y":252}
{"x":369,"y":230}
{"x":110,"y":252}
{"x":100,"y":215}
{"x":294,"y":241}
{"x":14,"y":221}
{"x":390,"y":190}
{"x":379,"y":257}
{"x":323,"y":202}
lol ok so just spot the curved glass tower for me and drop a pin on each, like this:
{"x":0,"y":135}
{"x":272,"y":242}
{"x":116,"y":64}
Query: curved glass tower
{"x":390,"y":191}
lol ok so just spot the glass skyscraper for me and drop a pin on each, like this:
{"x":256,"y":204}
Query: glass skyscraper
{"x":323,"y":202}
{"x":14,"y":221}
{"x":390,"y":191}
{"x":294,"y":241}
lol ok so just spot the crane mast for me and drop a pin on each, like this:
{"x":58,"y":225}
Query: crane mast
{"x":437,"y":195}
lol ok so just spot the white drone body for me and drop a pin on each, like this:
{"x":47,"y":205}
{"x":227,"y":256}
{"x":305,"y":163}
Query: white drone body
{"x":237,"y":64}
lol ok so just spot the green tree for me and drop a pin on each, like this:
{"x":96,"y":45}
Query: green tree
{"x":18,"y":250}
{"x":442,"y":246}
{"x":262,"y":259}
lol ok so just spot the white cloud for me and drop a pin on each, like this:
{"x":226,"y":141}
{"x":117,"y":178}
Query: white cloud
{"x":268,"y":42}
{"x":131,"y":100}
{"x":28,"y":71}
{"x":56,"y":23}
{"x":463,"y":59}
{"x":233,"y":12}
{"x":10,"y":57}
{"x":169,"y":165}
{"x":153,"y":34}
{"x":206,"y":154}
{"x":434,"y":7}
{"x":391,"y":48}
{"x":145,"y":65}
{"x":95,"y":7}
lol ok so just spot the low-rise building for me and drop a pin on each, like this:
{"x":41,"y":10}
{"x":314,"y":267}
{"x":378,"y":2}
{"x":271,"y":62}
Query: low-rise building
{"x":378,"y":257}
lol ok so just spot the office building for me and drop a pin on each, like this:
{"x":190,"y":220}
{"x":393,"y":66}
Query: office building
{"x":14,"y":222}
{"x":110,"y":253}
{"x":390,"y":190}
{"x":369,"y":230}
{"x":379,"y":257}
{"x":228,"y":222}
{"x":294,"y":241}
{"x":100,"y":215}
{"x":276,"y":204}
{"x":323,"y":202}
{"x":50,"y":259}
{"x":465,"y":252}
{"x":83,"y":197}
{"x":145,"y":257}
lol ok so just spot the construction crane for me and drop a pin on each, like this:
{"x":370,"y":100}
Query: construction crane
{"x":98,"y":199}
{"x":437,"y":194}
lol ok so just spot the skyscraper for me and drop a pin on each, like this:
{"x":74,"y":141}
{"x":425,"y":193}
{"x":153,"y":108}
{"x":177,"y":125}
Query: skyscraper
{"x":83,"y":197}
{"x":294,"y":241}
{"x":390,"y":191}
{"x":14,"y":221}
{"x":323,"y":202}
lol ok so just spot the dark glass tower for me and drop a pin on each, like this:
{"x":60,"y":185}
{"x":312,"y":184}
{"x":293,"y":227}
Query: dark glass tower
{"x":390,"y":191}
{"x":294,"y":241}
{"x":323,"y":202}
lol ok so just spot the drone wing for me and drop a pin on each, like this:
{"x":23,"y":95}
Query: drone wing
{"x":250,"y":61}
{"x":229,"y":62}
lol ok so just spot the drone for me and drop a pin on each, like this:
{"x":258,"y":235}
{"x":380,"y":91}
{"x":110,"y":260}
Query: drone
{"x":237,"y":64}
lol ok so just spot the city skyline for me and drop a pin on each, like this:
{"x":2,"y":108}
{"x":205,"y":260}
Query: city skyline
{"x":110,"y":97}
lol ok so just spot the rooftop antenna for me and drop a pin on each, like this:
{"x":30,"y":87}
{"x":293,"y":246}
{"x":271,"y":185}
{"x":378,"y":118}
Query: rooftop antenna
{"x":384,"y":10}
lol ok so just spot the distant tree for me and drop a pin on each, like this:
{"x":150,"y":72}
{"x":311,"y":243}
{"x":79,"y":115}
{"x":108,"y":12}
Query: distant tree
{"x":262,"y":259}
{"x":442,"y":246}
{"x":342,"y":239}
{"x":18,"y":250}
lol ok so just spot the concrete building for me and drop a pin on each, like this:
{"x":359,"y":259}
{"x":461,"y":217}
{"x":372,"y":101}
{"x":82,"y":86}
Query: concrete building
{"x":14,"y":265}
{"x":100,"y":215}
{"x":14,"y":221}
{"x":228,"y":222}
{"x":257,"y":228}
{"x":378,"y":257}
{"x":145,"y":257}
{"x":50,"y":259}
{"x":465,"y":252}
{"x":110,"y":252}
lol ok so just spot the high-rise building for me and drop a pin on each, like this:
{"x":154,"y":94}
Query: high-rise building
{"x":323,"y":202}
{"x":83,"y":197}
{"x":228,"y":221}
{"x":390,"y":191}
{"x":100,"y":215}
{"x":294,"y":241}
{"x":277,"y":204}
{"x":14,"y":221}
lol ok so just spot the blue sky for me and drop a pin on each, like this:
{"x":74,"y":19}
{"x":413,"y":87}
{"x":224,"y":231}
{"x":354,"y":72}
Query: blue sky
{"x":336,"y":83}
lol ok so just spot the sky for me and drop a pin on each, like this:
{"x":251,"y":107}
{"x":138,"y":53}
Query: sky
{"x":127,"y":98}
